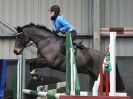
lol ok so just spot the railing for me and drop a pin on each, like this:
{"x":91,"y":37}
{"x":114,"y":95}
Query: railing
{"x":8,"y":26}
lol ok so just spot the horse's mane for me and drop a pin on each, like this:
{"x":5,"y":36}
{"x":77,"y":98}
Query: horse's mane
{"x":43,"y":27}
{"x":20,"y":29}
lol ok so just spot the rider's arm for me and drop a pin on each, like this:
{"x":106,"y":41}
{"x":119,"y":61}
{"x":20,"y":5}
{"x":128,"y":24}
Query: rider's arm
{"x":65,"y":25}
{"x":56,"y":30}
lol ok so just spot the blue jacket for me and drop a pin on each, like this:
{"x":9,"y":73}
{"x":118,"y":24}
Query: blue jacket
{"x":62,"y":25}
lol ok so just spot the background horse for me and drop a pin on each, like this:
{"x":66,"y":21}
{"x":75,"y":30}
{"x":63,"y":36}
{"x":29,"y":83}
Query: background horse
{"x":89,"y":61}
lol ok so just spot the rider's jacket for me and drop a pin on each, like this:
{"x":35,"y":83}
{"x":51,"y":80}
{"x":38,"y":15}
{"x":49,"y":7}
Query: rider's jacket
{"x":62,"y":25}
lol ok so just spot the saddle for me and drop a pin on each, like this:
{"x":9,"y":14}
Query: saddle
{"x":75,"y":45}
{"x":63,"y":44}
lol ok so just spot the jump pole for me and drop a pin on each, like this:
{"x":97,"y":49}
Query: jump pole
{"x":43,"y":94}
{"x":113,"y":66}
{"x":112,"y":49}
{"x":20,"y":76}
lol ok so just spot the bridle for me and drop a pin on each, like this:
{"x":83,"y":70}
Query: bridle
{"x":21,"y":36}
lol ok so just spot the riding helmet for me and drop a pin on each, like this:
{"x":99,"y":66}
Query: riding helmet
{"x":55,"y":8}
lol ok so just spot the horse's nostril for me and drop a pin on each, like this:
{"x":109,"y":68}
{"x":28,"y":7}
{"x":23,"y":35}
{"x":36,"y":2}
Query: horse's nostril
{"x":15,"y":51}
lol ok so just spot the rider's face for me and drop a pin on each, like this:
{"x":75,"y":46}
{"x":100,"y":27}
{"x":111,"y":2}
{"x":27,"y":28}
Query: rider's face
{"x":52,"y":13}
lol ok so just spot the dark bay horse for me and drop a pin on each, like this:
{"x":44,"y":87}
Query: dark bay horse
{"x":89,"y":61}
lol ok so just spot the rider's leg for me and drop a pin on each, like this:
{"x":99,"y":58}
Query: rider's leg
{"x":74,"y":35}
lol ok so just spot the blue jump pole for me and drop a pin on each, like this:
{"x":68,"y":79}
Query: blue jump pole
{"x":3,"y":65}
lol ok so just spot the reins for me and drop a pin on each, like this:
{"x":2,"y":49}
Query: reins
{"x":34,"y":43}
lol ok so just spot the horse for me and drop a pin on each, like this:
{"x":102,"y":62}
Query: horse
{"x":89,"y":61}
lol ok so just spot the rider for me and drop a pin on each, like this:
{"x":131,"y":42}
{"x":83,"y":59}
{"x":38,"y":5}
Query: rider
{"x":59,"y":22}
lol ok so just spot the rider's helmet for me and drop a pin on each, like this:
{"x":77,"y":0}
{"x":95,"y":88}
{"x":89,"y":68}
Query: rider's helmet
{"x":55,"y":8}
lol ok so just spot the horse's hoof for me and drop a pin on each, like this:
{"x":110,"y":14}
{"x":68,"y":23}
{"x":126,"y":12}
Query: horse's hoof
{"x":34,"y":71}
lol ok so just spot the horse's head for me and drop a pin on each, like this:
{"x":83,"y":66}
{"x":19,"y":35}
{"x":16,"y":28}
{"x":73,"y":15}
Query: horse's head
{"x":21,"y":41}
{"x":34,"y":33}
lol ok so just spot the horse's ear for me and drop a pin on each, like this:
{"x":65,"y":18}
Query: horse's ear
{"x":19,"y":29}
{"x":32,"y":24}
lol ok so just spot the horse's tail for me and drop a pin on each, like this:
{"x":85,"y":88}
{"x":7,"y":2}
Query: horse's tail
{"x":119,"y":82}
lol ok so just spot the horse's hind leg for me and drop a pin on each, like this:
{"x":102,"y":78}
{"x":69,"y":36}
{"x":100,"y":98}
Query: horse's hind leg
{"x":91,"y":83}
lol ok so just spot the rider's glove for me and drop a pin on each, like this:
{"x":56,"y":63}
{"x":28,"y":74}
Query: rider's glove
{"x":55,"y":31}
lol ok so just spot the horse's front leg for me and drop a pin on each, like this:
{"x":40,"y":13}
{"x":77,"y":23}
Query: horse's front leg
{"x":37,"y":63}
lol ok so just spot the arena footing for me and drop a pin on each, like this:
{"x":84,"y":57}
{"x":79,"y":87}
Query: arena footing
{"x":94,"y":97}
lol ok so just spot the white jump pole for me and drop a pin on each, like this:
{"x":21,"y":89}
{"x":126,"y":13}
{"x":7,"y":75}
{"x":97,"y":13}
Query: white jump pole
{"x":73,"y":73}
{"x":20,"y":76}
{"x":113,"y":63}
